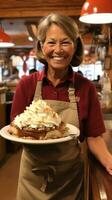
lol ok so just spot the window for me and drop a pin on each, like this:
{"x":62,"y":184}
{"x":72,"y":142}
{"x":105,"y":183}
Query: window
{"x":31,"y":62}
{"x":90,"y":71}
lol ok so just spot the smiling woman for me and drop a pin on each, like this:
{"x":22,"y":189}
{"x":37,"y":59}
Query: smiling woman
{"x":74,"y":99}
{"x":69,"y":41}
{"x":57,"y":51}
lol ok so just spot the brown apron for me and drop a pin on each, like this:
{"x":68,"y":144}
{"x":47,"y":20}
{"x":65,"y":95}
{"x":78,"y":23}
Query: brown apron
{"x":53,"y":171}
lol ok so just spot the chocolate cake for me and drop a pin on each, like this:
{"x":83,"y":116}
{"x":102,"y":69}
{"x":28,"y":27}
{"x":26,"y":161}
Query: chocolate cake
{"x":38,"y":121}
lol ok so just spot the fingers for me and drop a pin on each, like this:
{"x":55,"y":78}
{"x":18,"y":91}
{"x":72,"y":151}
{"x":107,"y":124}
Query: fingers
{"x":109,"y":170}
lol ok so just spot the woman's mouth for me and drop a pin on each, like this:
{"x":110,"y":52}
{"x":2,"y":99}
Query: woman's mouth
{"x":58,"y":58}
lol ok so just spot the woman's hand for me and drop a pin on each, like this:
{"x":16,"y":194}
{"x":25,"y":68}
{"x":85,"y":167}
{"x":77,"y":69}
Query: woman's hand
{"x":109,"y":166}
{"x":98,"y":147}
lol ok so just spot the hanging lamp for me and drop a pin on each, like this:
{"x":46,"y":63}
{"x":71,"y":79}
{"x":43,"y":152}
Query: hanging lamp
{"x":5,"y":40}
{"x":96,"y":12}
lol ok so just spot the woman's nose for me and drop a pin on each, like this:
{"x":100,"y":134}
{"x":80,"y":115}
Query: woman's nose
{"x":58,"y":48}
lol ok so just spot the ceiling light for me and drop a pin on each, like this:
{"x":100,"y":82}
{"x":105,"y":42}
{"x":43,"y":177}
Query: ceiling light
{"x":30,"y":38}
{"x":96,"y":12}
{"x":5,"y":40}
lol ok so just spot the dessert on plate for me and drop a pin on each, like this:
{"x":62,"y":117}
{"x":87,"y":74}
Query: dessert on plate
{"x":38,"y":121}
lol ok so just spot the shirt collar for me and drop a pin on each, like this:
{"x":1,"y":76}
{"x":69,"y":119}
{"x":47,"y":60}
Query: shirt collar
{"x":69,"y":78}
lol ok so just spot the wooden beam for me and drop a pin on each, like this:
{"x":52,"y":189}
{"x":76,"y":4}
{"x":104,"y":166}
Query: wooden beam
{"x":26,"y":8}
{"x":37,"y":13}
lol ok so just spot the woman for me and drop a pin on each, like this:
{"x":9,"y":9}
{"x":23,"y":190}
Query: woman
{"x":56,"y":171}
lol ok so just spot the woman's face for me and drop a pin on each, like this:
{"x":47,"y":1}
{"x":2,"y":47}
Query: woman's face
{"x":58,"y":48}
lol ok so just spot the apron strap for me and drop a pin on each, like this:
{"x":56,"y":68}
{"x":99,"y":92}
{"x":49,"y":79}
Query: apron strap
{"x":38,"y":90}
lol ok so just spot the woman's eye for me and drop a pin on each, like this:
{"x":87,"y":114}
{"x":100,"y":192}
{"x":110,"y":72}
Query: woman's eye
{"x":50,"y":43}
{"x":63,"y":43}
{"x":66,"y":43}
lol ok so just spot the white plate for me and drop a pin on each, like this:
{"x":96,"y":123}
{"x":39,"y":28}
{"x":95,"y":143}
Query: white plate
{"x":73,"y":133}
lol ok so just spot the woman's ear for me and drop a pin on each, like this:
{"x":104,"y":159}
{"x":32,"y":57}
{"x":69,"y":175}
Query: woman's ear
{"x":38,"y":45}
{"x":42,"y":49}
{"x":79,"y":52}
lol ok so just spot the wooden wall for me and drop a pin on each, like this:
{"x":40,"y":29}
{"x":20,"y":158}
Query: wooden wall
{"x":36,"y":8}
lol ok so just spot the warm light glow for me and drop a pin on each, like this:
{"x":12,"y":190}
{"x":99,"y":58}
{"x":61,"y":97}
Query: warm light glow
{"x":5,"y":40}
{"x":86,"y":52}
{"x":30,"y":38}
{"x":96,"y":12}
{"x":98,"y":18}
{"x":6,"y":44}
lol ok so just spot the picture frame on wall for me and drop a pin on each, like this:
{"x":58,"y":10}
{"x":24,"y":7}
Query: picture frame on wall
{"x":107,"y":62}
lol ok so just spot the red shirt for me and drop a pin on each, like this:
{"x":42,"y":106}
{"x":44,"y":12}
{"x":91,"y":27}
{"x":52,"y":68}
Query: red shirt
{"x":90,"y":114}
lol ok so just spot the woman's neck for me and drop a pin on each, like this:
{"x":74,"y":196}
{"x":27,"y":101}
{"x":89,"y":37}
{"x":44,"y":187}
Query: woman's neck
{"x":56,"y":76}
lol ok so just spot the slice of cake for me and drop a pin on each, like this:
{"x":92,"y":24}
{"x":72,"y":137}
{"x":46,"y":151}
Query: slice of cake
{"x":38,"y":121}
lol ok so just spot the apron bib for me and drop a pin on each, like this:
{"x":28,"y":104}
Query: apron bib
{"x":53,"y":171}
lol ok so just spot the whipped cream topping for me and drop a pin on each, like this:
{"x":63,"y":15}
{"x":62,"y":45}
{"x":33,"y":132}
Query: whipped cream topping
{"x":37,"y":115}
